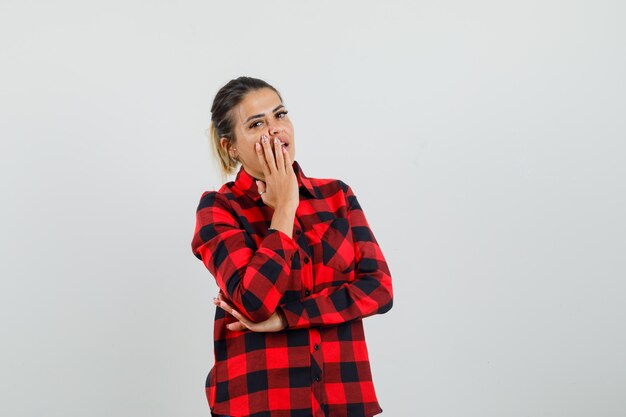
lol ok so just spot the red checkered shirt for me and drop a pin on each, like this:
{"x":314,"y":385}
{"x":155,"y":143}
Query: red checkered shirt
{"x":325,"y":279}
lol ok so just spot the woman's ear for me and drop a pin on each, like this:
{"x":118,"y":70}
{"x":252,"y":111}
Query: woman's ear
{"x":228,"y":149}
{"x":224,"y":144}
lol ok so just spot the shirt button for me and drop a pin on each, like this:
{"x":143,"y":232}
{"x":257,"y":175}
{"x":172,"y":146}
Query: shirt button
{"x":316,"y":347}
{"x":306,"y":259}
{"x":317,"y":378}
{"x":298,"y":232}
{"x":307,"y":292}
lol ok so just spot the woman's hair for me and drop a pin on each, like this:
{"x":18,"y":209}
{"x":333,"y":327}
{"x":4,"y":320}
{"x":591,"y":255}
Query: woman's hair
{"x":226,"y":99}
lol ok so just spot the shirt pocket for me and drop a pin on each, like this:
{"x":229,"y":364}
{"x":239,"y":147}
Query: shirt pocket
{"x":337,"y":246}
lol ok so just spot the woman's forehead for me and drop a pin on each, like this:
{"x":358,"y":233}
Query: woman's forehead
{"x":258,"y":102}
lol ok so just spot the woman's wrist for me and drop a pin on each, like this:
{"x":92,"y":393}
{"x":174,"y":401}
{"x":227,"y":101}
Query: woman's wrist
{"x":283,"y":220}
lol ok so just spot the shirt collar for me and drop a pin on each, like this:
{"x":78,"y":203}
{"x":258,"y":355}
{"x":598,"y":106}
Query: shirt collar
{"x":246,"y":182}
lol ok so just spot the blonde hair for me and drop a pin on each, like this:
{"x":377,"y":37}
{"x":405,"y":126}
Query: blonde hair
{"x":226,"y":99}
{"x":227,"y":164}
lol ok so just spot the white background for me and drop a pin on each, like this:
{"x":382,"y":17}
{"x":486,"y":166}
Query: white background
{"x":484,"y":140}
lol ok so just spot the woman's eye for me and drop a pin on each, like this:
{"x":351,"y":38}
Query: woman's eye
{"x":279,"y":115}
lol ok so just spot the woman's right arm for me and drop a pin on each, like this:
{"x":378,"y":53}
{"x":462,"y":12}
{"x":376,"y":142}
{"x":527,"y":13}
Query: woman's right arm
{"x":253,"y":279}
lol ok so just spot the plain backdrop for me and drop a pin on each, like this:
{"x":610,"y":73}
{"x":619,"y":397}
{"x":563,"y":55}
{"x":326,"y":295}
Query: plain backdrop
{"x":484,"y":139}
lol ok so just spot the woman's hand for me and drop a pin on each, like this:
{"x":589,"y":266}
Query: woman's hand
{"x":280,"y":189}
{"x":272,"y":324}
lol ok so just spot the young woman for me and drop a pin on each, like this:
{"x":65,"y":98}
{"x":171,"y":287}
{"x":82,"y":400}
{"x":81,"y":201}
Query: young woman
{"x":297,"y":266}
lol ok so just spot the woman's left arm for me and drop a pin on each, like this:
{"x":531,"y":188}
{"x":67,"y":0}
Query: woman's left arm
{"x":370,"y":293}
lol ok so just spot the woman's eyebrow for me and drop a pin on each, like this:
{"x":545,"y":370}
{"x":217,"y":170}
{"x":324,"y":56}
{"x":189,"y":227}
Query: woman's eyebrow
{"x":262,"y":114}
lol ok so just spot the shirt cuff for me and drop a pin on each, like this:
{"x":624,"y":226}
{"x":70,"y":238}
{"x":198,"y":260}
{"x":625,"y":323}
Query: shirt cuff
{"x":283,"y":319}
{"x":278,"y":239}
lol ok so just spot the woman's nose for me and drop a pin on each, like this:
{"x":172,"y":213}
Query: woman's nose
{"x":274,"y":130}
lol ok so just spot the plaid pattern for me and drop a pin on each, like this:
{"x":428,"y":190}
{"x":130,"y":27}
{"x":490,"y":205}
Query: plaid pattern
{"x":325,"y":279}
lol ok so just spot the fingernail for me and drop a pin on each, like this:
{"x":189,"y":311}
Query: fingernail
{"x":275,"y":140}
{"x":257,"y":146}
{"x":264,"y":139}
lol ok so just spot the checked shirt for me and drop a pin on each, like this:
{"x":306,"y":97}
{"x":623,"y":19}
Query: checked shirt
{"x":324,"y":279}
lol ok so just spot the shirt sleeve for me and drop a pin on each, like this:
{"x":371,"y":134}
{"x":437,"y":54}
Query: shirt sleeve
{"x":252,"y":278}
{"x":370,"y":293}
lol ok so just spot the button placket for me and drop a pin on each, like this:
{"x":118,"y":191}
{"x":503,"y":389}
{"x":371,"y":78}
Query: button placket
{"x":305,"y":255}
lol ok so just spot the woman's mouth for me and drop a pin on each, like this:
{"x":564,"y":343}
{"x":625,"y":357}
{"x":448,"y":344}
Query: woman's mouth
{"x":281,"y":143}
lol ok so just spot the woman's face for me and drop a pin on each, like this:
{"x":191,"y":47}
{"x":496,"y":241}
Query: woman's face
{"x":261,"y":112}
